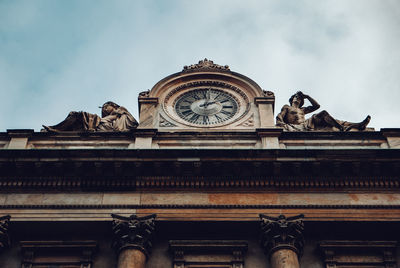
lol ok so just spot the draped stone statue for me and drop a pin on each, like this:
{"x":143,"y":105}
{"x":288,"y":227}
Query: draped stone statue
{"x":292,"y":118}
{"x":113,"y":118}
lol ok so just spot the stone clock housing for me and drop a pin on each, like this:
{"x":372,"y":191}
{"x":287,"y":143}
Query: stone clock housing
{"x":206,"y":97}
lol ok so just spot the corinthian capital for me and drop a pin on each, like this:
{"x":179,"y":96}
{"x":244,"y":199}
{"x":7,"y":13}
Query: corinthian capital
{"x":133,"y":232}
{"x":282,"y":233}
{"x":4,"y":237}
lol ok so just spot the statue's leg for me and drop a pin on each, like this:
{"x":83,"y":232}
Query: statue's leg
{"x":329,"y":120}
{"x":359,"y":126}
{"x":72,"y":122}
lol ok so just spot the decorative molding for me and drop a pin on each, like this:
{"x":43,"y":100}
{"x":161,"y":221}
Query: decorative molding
{"x":133,"y":232}
{"x":249,"y":122}
{"x":219,"y":253}
{"x":69,"y":253}
{"x":4,"y":236}
{"x":205,"y":65}
{"x":194,"y":206}
{"x":282,"y":233}
{"x":165,"y":123}
{"x":144,"y":94}
{"x":348,"y":253}
{"x":198,"y":182}
{"x":267,"y":93}
{"x":207,"y":83}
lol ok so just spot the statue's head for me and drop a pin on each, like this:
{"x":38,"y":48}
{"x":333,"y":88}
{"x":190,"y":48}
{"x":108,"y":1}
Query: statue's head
{"x":299,"y":96}
{"x":108,"y":107}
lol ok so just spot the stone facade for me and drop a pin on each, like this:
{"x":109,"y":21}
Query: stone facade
{"x":175,"y":193}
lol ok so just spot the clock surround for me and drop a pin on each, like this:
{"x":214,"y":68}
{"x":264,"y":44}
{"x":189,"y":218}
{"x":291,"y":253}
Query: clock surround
{"x":206,"y":104}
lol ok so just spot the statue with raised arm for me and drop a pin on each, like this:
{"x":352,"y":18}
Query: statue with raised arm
{"x":292,"y":118}
{"x":113,"y":118}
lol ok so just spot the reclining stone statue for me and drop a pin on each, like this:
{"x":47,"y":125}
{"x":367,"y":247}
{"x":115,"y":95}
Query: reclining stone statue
{"x":113,"y":118}
{"x":292,"y":118}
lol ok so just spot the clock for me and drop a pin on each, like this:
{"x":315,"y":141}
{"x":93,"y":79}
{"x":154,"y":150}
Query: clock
{"x":206,"y":106}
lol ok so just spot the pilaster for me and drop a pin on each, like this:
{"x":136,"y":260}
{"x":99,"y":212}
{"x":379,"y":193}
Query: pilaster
{"x":266,"y":109}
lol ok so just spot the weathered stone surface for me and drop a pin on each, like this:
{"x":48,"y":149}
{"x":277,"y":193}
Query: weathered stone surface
{"x":284,"y":258}
{"x":174,"y":198}
{"x":76,"y":198}
{"x":18,"y":143}
{"x":243,"y":198}
{"x":121,"y":198}
{"x":131,"y":258}
{"x":24,"y":199}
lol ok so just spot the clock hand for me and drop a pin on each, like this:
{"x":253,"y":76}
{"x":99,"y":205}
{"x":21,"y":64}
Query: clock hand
{"x":207,"y":103}
{"x":207,"y":98}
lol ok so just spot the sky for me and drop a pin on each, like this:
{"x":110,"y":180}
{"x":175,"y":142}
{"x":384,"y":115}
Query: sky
{"x":58,"y":56}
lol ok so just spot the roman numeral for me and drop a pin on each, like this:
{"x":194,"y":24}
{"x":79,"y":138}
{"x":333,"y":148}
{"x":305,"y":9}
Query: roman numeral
{"x":195,"y":96}
{"x":217,"y":117}
{"x":227,"y":106}
{"x":184,"y":107}
{"x":194,"y":118}
{"x":225,"y":112}
{"x":216,"y":98}
{"x":205,"y":119}
{"x":187,"y":112}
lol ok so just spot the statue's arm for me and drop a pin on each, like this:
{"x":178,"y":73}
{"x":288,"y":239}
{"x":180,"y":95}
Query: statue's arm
{"x":314,"y":105}
{"x":280,"y":118}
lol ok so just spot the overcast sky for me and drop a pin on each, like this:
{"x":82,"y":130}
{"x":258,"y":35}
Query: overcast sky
{"x":65,"y":55}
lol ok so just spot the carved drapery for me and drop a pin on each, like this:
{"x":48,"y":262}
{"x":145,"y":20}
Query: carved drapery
{"x":133,"y":239}
{"x":4,"y":236}
{"x":282,"y":239}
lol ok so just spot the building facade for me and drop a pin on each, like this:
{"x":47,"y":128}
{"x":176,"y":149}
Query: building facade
{"x":205,"y":180}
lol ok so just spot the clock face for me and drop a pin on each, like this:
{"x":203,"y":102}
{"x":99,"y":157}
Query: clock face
{"x":206,"y":106}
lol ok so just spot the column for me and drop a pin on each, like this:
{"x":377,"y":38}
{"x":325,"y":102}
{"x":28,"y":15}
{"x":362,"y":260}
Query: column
{"x":133,"y":238}
{"x":282,"y":240}
{"x":4,"y":237}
